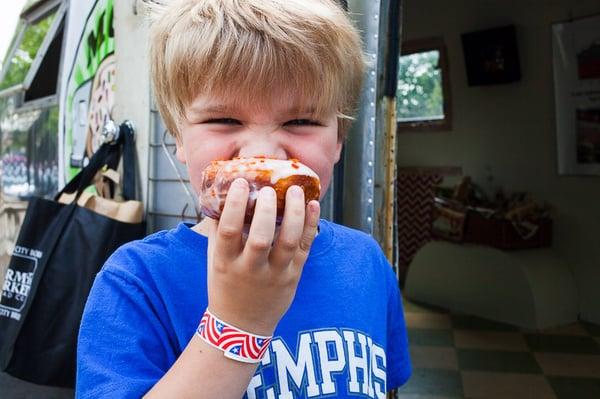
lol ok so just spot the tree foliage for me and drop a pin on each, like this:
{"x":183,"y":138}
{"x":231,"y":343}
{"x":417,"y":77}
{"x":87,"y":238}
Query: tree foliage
{"x":18,"y":66}
{"x":420,"y":95}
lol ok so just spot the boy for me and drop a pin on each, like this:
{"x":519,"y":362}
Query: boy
{"x":243,"y":78}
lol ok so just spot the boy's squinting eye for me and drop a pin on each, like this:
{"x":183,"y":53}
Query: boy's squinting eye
{"x":224,"y":121}
{"x":303,"y":122}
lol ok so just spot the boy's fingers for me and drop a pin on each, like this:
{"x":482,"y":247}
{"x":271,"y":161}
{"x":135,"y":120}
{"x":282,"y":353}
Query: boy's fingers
{"x":291,"y":229}
{"x":228,"y":237}
{"x":311,"y":223}
{"x":260,"y":238}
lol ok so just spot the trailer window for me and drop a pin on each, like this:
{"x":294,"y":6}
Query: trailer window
{"x":18,"y":65}
{"x":28,"y":150}
{"x":423,"y":96}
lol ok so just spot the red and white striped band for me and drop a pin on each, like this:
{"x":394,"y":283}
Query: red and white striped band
{"x":236,"y":344}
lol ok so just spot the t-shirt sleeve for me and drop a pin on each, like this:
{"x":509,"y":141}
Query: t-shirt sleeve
{"x":398,"y":359}
{"x":123,"y":349}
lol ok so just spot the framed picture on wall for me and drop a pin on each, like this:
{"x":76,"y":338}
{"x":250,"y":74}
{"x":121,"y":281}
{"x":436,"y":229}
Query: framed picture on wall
{"x":576,"y":62}
{"x":492,"y":56}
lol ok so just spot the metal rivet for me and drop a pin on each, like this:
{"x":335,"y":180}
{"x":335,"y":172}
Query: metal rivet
{"x":370,"y":163}
{"x":370,"y":181}
{"x":372,"y":90}
{"x":370,"y":200}
{"x":372,"y":104}
{"x":376,"y":36}
{"x":372,"y":119}
{"x":376,"y":17}
{"x":369,"y":219}
{"x":372,"y":73}
{"x":371,"y":142}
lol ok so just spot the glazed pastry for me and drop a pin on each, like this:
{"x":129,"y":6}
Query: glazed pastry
{"x":259,"y":172}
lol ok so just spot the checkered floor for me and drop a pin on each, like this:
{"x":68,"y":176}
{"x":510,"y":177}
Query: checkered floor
{"x":457,"y":356}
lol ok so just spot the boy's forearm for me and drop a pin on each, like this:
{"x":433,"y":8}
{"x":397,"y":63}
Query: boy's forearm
{"x":204,"y":372}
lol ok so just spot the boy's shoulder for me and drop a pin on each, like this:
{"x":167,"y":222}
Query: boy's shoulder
{"x":157,"y":251}
{"x":348,"y":236}
{"x":354,"y":248}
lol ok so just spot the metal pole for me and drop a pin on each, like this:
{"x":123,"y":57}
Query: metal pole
{"x":392,"y":9}
{"x":391,"y":61}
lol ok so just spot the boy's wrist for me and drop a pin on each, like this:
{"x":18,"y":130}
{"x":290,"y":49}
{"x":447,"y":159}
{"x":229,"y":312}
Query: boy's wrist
{"x":255,"y":322}
{"x":234,"y":342}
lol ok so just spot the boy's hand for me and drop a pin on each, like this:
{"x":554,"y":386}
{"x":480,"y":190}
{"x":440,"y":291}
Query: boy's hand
{"x":251,"y":284}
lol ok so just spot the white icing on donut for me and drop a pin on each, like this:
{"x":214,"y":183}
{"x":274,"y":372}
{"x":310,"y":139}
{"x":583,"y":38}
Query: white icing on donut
{"x":279,"y":168}
{"x":213,"y":194}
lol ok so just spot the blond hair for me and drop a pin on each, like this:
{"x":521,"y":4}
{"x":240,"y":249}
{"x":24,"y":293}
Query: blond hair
{"x":254,"y":51}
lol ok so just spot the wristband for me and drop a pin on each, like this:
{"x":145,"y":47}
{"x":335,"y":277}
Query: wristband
{"x":236,"y":344}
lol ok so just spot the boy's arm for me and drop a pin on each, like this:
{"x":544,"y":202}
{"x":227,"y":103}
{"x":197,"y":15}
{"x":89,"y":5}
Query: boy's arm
{"x":203,"y":372}
{"x":251,"y":284}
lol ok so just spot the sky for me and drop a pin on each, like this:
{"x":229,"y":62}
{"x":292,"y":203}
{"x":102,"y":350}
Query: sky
{"x":9,"y":16}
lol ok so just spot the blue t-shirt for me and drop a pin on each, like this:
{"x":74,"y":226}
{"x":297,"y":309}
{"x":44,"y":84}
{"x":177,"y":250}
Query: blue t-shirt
{"x":343,"y":335}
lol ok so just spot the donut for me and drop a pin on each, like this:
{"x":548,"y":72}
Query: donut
{"x":259,"y":172}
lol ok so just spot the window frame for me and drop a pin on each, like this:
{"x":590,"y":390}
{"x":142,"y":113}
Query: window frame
{"x":420,"y":46}
{"x":28,"y":17}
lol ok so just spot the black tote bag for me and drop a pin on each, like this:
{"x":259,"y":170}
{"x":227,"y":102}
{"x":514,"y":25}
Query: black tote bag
{"x":59,"y":251}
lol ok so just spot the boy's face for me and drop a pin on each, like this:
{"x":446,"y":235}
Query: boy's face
{"x":215,"y":129}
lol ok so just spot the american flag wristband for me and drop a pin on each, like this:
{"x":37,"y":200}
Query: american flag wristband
{"x":236,"y":344}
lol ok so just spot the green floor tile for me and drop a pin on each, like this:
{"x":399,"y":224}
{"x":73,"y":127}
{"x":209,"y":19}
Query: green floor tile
{"x":430,"y":337}
{"x":593,"y":329}
{"x":562,"y":344}
{"x":575,"y":388}
{"x":465,"y":322}
{"x":434,"y":382}
{"x":497,"y":361}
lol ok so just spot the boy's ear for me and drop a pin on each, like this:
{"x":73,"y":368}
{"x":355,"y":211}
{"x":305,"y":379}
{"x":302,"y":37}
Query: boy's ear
{"x":338,"y":150}
{"x":180,"y":153}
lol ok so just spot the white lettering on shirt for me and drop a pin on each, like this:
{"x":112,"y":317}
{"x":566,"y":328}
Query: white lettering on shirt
{"x":318,"y":367}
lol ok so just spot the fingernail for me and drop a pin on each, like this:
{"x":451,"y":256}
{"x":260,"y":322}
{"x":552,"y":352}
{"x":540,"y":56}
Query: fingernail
{"x":296,"y":191}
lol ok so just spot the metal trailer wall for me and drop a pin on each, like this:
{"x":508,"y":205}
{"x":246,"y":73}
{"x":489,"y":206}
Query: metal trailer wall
{"x":132,"y":96}
{"x":359,"y":155}
{"x":370,"y":168}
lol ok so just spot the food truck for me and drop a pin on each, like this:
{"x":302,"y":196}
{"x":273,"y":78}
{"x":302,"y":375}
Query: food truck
{"x":73,"y":66}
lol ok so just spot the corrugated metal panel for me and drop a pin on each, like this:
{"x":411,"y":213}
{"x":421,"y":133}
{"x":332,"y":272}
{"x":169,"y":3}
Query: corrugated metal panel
{"x":359,"y":182}
{"x":170,"y":195}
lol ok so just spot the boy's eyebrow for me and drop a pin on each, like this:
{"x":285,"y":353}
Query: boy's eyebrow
{"x":211,"y":109}
{"x":223,"y":108}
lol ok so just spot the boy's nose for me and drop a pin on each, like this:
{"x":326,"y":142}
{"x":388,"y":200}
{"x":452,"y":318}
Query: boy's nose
{"x":265,"y":145}
{"x":262,"y":150}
